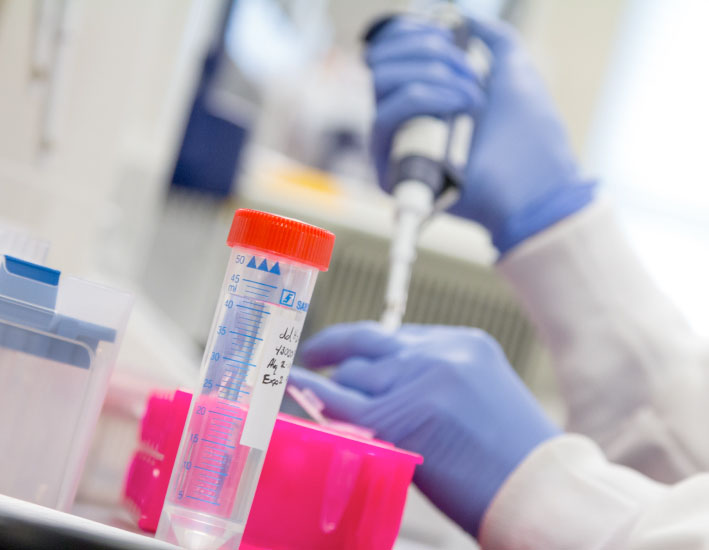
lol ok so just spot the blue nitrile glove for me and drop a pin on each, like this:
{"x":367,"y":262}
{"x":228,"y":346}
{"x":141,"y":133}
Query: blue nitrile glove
{"x":522,"y":175}
{"x":447,"y":393}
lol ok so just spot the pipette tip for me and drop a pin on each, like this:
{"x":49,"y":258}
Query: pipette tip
{"x":391,"y":320}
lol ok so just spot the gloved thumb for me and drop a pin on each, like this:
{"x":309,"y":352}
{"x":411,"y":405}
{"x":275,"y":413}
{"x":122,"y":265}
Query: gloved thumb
{"x":340,"y":403}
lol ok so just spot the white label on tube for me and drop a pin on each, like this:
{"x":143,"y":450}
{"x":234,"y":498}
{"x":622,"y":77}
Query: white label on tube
{"x":278,"y":352}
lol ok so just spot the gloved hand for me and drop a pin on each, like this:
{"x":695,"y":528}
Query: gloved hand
{"x":447,"y":393}
{"x":522,"y":175}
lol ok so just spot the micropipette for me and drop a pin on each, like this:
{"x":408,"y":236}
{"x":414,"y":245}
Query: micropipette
{"x":427,"y":158}
{"x":269,"y":280}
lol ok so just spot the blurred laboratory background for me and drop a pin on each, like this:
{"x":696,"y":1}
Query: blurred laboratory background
{"x":130,"y":130}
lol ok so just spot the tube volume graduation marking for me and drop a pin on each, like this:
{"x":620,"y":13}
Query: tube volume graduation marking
{"x":245,"y":335}
{"x":257,"y":292}
{"x":259,"y":283}
{"x":203,"y":500}
{"x":230,"y":416}
{"x":242,"y":362}
{"x":254,"y":309}
{"x":217,"y":443}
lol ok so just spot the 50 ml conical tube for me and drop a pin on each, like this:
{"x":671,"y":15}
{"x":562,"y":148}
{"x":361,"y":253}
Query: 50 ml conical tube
{"x":253,"y":340}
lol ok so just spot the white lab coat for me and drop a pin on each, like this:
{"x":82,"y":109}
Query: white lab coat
{"x":636,"y":381}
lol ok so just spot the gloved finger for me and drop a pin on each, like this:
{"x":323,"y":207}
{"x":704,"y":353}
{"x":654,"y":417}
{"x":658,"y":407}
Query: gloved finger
{"x":370,"y":377}
{"x":498,"y":36}
{"x":337,"y":343}
{"x":407,"y":102}
{"x":390,"y":76}
{"x":426,"y":47}
{"x":406,"y":25}
{"x":340,"y":403}
{"x":413,"y":335}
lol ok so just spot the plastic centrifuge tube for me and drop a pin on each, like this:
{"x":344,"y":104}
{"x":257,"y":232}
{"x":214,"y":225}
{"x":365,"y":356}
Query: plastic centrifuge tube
{"x":262,"y":306}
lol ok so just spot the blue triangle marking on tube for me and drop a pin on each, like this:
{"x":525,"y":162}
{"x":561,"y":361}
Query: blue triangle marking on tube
{"x":252,"y":263}
{"x":263,"y":266}
{"x":276,"y":270}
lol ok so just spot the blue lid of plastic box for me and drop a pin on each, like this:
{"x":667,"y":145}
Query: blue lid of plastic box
{"x":29,"y":322}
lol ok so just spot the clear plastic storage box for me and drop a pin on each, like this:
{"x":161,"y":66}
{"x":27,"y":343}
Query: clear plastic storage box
{"x":59,"y":337}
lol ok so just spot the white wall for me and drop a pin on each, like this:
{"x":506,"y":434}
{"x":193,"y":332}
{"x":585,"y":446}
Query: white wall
{"x":92,"y":105}
{"x":650,"y":145}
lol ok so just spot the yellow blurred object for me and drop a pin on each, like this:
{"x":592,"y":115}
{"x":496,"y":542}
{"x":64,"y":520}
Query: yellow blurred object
{"x":310,"y":178}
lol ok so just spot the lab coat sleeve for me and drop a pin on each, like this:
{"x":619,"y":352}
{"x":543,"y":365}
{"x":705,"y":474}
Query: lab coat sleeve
{"x":567,"y":496}
{"x":632,"y":372}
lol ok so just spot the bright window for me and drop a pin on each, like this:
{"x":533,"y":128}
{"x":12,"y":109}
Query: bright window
{"x":650,"y":144}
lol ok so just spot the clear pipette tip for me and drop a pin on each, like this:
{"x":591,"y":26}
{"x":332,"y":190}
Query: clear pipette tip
{"x":391,"y":319}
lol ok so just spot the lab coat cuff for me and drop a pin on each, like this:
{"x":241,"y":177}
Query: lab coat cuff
{"x":606,"y":322}
{"x":583,"y":263}
{"x":564,"y":268}
{"x":596,"y":219}
{"x":566,"y":495}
